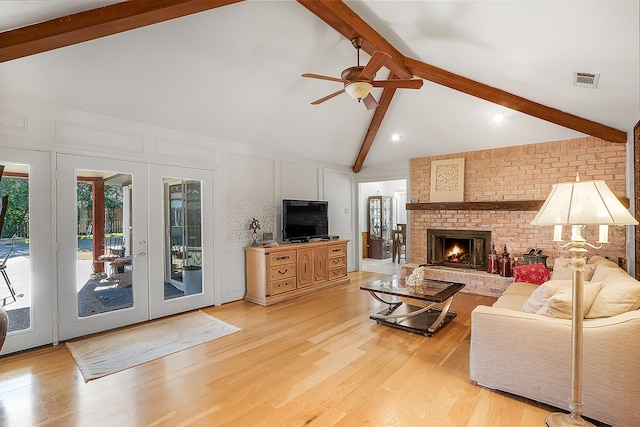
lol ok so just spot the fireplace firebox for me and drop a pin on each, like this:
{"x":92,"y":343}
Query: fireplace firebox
{"x":458,"y":248}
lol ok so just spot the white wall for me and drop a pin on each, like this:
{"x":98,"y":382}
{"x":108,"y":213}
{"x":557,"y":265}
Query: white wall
{"x":249,"y":182}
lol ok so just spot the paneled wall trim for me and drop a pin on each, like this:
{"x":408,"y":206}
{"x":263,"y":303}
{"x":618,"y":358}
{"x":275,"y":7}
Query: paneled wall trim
{"x":519,"y":173}
{"x":98,"y":138}
{"x":13,"y":120}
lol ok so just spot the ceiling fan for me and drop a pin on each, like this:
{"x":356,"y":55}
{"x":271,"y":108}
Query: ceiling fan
{"x":359,"y":80}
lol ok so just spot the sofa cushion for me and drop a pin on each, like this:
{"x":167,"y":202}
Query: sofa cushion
{"x":542,"y":294}
{"x":533,"y":273}
{"x":511,"y":302}
{"x":560,"y":304}
{"x":562,"y":269}
{"x":599,"y":260}
{"x":519,"y":288}
{"x":620,"y":293}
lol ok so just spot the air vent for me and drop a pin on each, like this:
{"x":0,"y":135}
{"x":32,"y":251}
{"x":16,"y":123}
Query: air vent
{"x":586,"y":80}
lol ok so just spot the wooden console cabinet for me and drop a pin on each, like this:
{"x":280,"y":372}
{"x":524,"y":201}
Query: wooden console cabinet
{"x":289,"y":270}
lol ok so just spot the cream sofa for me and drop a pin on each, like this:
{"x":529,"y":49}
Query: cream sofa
{"x":528,"y":354}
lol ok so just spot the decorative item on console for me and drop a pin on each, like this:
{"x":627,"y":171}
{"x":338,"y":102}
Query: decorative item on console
{"x":505,"y":263}
{"x":267,"y":238}
{"x":492,"y":263}
{"x":254,"y":227}
{"x":534,"y":257}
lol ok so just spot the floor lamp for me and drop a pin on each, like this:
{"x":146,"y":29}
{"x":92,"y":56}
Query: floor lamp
{"x":579,"y":204}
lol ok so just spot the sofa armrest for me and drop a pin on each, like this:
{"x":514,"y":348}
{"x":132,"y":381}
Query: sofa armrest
{"x":530,"y":355}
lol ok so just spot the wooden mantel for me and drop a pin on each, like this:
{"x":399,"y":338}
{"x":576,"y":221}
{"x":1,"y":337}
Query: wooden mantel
{"x":499,"y":205}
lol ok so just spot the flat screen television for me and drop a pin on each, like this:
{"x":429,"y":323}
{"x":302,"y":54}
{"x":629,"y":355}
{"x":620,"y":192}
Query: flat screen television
{"x":304,"y":219}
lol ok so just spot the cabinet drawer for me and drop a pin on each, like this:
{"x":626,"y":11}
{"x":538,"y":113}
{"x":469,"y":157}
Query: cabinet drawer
{"x":282,"y":257}
{"x":281,"y":286}
{"x":337,"y":273}
{"x":282,"y":272}
{"x":337,"y":262}
{"x":337,"y":250}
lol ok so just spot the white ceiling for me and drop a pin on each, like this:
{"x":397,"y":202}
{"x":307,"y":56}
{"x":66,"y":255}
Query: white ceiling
{"x":234,"y":73}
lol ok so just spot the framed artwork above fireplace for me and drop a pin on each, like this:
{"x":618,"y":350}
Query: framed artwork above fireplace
{"x":447,"y":180}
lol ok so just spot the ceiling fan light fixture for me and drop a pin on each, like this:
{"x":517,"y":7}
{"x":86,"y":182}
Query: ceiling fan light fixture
{"x":358,"y":90}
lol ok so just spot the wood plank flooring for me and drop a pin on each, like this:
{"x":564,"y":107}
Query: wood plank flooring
{"x":318,"y":361}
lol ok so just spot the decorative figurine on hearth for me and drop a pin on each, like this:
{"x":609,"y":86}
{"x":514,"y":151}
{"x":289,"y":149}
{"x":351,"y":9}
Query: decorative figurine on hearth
{"x":492,"y":263}
{"x":505,"y":263}
{"x":254,"y":227}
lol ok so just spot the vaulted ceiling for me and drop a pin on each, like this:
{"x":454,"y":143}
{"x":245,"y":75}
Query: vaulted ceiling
{"x":232,"y":70}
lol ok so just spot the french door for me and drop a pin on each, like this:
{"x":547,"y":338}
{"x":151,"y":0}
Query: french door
{"x":25,"y":249}
{"x":181,"y":230}
{"x":131,"y":242}
{"x":102,"y":213}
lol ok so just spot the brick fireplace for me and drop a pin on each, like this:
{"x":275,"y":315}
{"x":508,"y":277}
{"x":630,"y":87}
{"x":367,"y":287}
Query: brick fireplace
{"x":458,"y":248}
{"x":518,"y":173}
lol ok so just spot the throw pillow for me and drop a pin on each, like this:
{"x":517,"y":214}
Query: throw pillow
{"x":543,"y":293}
{"x":560,"y":305}
{"x":603,"y":271}
{"x":620,"y":293}
{"x":599,"y":260}
{"x":532,"y":273}
{"x":562,"y":270}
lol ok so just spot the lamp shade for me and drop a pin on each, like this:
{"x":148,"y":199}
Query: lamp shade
{"x":582,"y":203}
{"x":358,"y":90}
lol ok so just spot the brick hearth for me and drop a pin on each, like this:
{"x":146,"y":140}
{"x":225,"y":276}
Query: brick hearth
{"x":476,"y":282}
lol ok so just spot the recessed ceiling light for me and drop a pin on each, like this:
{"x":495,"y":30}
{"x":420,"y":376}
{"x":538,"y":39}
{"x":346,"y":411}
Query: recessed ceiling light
{"x":498,"y":118}
{"x":396,"y":137}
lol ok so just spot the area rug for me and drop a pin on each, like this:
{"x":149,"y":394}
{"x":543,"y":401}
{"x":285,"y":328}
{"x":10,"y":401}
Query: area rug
{"x":123,"y":349}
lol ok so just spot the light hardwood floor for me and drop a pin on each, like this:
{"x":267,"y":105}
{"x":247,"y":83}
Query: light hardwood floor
{"x":318,"y":360}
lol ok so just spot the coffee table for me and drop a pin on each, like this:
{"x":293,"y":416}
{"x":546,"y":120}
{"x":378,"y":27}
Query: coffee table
{"x":429,"y":308}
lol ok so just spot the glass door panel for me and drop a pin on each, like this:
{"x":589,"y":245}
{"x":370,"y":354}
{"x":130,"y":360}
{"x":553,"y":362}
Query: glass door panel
{"x":25,"y":245}
{"x":105,"y":269}
{"x":102,"y":211}
{"x":183,"y":241}
{"x":185,"y":269}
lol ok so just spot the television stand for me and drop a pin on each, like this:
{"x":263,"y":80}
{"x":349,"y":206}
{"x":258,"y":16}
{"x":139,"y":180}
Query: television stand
{"x":288,"y":270}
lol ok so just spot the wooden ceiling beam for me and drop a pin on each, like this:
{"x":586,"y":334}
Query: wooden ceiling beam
{"x":346,"y":22}
{"x":342,"y":19}
{"x":92,"y":24}
{"x":514,"y":102}
{"x":374,"y":126}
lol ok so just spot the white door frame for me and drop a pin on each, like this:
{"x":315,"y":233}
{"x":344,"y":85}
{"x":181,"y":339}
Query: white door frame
{"x":42,"y":277}
{"x":70,"y":324}
{"x":158,"y":306}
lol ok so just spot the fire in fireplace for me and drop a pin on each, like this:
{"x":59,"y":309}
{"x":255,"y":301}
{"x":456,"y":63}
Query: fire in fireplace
{"x":458,"y":248}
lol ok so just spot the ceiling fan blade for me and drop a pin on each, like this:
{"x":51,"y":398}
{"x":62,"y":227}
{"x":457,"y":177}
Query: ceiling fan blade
{"x":377,"y":61}
{"x":369,"y":102}
{"x":397,"y":83}
{"x":328,"y":97}
{"x":318,"y":76}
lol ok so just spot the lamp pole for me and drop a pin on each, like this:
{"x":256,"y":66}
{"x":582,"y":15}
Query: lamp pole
{"x":577,"y":246}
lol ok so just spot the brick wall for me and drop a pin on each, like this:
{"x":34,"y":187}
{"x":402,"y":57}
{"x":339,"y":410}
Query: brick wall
{"x":519,"y":173}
